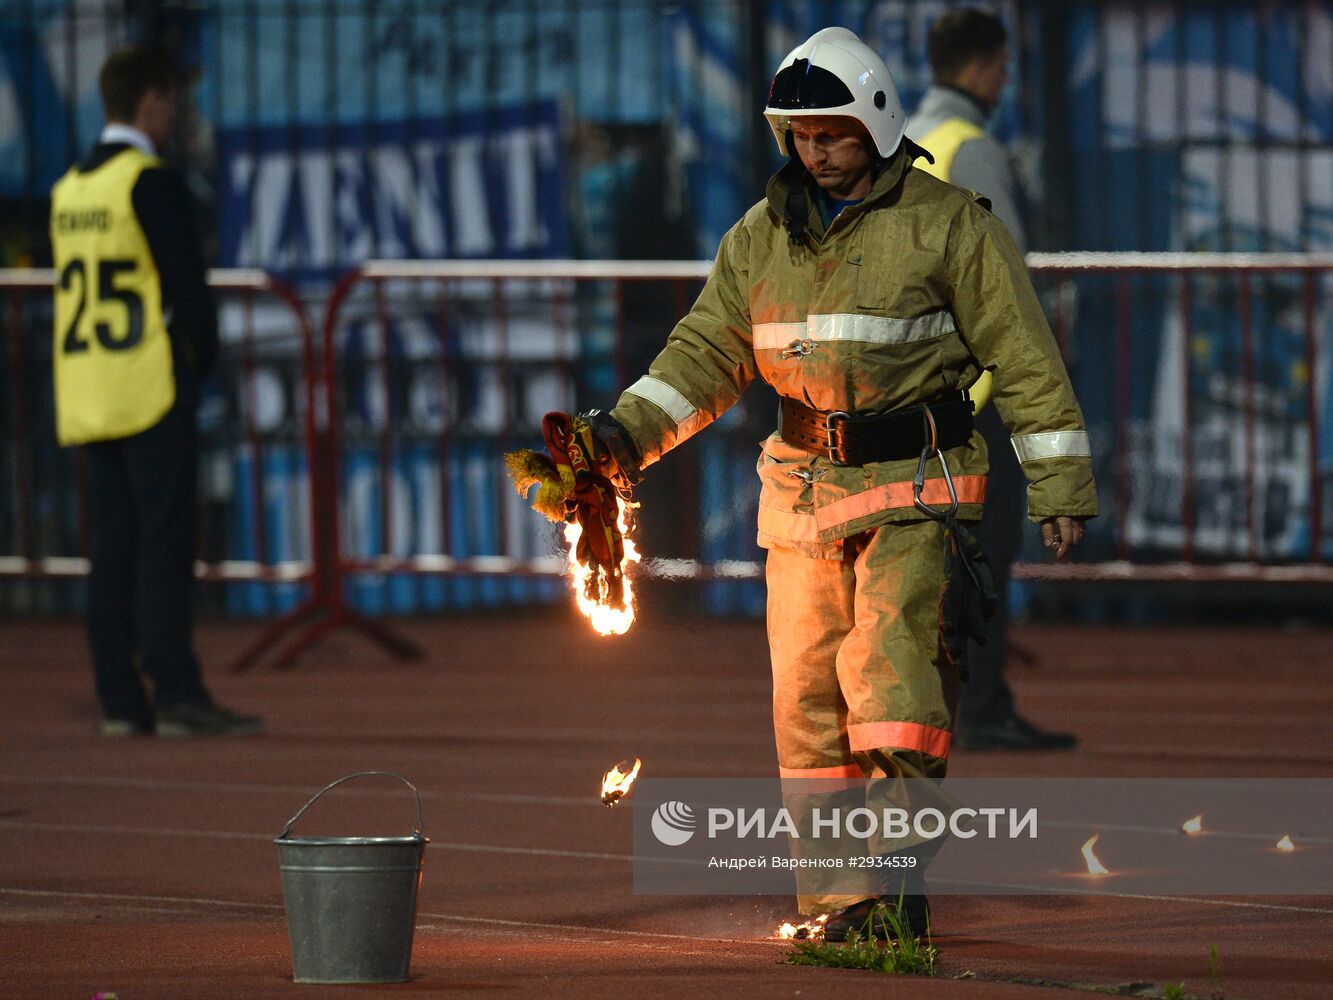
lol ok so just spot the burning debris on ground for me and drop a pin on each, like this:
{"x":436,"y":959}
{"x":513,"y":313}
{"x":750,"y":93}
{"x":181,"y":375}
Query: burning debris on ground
{"x":617,"y":783}
{"x":811,"y":930}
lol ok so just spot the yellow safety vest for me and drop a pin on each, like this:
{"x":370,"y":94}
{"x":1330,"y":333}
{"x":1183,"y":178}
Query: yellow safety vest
{"x":943,"y":142}
{"x":113,"y":365}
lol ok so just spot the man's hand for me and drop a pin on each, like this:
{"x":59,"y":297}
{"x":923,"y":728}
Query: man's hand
{"x":1061,"y":533}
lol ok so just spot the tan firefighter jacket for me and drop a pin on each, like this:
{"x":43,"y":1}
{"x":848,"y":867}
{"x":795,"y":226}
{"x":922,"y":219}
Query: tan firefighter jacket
{"x":908,"y":295}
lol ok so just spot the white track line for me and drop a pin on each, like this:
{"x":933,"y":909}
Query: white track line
{"x":130,"y":901}
{"x":116,"y":897}
{"x":1042,"y":890}
{"x":594,"y":856}
{"x":157,"y":784}
{"x":452,"y":918}
{"x":1175,"y":831}
{"x":148,"y":831}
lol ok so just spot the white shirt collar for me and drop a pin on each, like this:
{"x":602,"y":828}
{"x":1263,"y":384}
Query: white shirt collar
{"x":119,"y":132}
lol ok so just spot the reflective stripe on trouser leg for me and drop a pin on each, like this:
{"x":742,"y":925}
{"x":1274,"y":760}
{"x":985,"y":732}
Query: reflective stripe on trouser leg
{"x":859,"y":676}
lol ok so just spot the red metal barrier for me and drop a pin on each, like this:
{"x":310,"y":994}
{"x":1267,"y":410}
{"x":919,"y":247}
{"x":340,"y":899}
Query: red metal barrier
{"x":569,"y":289}
{"x":1189,"y":268}
{"x":327,"y":609}
{"x":1124,"y":271}
{"x":498,"y":277}
{"x":22,"y":288}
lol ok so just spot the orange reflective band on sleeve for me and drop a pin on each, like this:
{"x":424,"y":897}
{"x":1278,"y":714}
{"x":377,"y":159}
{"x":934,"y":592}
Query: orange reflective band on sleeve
{"x":899,"y":736}
{"x":970,"y":489}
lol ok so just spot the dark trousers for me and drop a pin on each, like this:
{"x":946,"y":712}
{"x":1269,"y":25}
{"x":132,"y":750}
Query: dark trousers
{"x":986,"y":698}
{"x":140,"y":589}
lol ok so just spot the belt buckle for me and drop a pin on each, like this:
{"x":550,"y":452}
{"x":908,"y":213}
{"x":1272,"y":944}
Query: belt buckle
{"x":835,"y":452}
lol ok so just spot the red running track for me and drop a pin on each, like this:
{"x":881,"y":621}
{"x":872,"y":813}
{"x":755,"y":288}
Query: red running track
{"x":146,"y":867}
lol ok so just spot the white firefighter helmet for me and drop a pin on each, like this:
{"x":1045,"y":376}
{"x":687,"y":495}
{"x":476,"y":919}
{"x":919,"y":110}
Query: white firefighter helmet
{"x":835,"y":73}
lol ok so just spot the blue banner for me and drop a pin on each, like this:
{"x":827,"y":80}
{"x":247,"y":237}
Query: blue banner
{"x":310,"y":201}
{"x":1206,"y":130}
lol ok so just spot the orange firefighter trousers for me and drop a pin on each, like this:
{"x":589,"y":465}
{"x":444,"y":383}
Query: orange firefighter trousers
{"x":864,"y":692}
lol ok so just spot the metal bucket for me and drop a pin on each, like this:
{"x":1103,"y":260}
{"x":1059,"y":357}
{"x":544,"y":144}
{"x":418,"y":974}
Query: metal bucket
{"x":351,"y":901}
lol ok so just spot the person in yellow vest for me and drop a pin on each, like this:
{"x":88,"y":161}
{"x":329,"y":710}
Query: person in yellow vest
{"x":969,"y":58}
{"x":871,"y":296}
{"x":135,"y":331}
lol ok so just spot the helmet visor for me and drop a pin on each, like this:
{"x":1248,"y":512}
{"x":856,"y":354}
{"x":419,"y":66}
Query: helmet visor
{"x":803,"y":87}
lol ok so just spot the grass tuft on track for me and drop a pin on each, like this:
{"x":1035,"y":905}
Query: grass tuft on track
{"x":903,"y":954}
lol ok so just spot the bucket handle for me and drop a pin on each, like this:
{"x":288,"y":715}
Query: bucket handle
{"x":417,"y":831}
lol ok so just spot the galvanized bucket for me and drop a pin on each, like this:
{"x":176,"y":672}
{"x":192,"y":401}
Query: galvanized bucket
{"x":351,"y":901}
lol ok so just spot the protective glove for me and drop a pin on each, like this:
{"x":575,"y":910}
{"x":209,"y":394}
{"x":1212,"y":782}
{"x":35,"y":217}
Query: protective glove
{"x":575,"y":484}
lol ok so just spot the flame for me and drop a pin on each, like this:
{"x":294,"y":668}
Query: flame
{"x":616,"y":784}
{"x":1095,"y":867}
{"x":1193,"y":826}
{"x":812,"y":930}
{"x":1285,"y":845}
{"x":605,"y":619}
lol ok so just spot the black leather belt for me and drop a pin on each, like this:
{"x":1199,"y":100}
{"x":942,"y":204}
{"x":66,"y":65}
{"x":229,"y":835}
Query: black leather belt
{"x":850,"y":439}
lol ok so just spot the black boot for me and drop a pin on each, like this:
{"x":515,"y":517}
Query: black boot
{"x":880,"y":919}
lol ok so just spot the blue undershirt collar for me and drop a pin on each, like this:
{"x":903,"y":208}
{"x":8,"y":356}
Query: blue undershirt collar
{"x":829,"y":207}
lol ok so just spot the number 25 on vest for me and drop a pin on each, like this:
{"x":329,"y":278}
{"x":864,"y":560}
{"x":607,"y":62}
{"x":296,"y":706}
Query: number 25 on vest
{"x":120,"y":336}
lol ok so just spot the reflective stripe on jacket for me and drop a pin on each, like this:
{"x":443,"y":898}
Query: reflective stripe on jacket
{"x":910,"y":294}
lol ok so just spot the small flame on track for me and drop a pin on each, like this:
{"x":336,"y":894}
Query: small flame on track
{"x":811,"y":930}
{"x":1095,"y":867}
{"x":616,"y":784}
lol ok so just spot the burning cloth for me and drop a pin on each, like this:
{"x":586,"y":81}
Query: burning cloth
{"x":573,"y":486}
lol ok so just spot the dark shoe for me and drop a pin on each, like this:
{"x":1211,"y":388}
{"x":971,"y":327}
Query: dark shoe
{"x":874,"y":918}
{"x":190,"y":720}
{"x":122,"y":726}
{"x":1013,"y":733}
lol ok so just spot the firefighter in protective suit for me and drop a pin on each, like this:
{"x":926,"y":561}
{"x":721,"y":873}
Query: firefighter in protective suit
{"x":871,"y":296}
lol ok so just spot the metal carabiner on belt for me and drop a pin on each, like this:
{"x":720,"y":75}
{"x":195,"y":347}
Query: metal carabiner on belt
{"x":919,"y":480}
